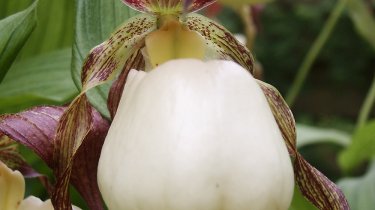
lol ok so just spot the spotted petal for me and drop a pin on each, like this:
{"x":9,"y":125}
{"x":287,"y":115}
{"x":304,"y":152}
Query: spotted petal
{"x":102,"y":65}
{"x":167,"y":6}
{"x":316,"y":187}
{"x":136,"y":62}
{"x":283,"y":115}
{"x":221,"y":44}
{"x":106,"y":59}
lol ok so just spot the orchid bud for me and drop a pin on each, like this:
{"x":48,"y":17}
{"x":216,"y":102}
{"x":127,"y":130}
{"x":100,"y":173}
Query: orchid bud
{"x":194,"y":135}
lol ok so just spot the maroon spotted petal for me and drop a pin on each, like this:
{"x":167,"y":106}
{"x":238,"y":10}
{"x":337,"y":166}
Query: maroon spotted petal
{"x":167,"y":6}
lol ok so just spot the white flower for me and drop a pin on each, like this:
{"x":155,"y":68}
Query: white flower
{"x":12,"y":190}
{"x":194,"y":135}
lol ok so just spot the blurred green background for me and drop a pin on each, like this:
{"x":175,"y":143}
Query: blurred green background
{"x":327,"y":109}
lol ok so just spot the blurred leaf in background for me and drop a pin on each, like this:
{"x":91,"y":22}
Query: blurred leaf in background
{"x":15,"y":30}
{"x":44,"y":79}
{"x":363,"y":20}
{"x":360,"y":191}
{"x":312,"y":135}
{"x":41,"y":72}
{"x":361,"y":149}
{"x":55,"y":24}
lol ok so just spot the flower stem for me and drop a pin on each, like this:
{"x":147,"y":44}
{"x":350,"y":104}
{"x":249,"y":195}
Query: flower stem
{"x":366,"y":107}
{"x":314,"y":51}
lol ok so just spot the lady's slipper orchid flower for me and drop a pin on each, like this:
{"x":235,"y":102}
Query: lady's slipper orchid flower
{"x":69,"y":139}
{"x":195,"y":135}
{"x":12,"y":190}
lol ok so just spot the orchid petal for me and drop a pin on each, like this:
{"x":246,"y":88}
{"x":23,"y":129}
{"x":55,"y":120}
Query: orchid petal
{"x":12,"y":188}
{"x":84,"y":175}
{"x":136,"y":61}
{"x":316,"y":187}
{"x":102,"y":65}
{"x":221,"y":43}
{"x":12,"y":158}
{"x":34,"y":203}
{"x":90,"y":128}
{"x":36,"y":129}
{"x":283,"y":115}
{"x":167,"y":6}
{"x":104,"y":61}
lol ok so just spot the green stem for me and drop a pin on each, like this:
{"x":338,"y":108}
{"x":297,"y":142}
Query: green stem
{"x":314,"y":51}
{"x":367,"y":105}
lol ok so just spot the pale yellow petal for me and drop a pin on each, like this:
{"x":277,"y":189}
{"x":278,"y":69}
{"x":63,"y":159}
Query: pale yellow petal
{"x":12,"y":188}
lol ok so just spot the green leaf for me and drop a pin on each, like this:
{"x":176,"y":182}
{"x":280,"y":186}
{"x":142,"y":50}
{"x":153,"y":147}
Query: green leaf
{"x":55,"y":25}
{"x":307,"y":135}
{"x":15,"y":30}
{"x":44,"y":79}
{"x":360,"y":191}
{"x":361,"y":149}
{"x":363,"y":20}
{"x":95,"y":21}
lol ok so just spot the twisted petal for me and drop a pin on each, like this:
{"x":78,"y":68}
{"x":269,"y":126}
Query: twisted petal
{"x":167,"y":6}
{"x":316,"y":187}
{"x":283,"y":115}
{"x":136,"y":62}
{"x":220,"y":42}
{"x":36,"y":128}
{"x":102,"y":64}
{"x":104,"y":61}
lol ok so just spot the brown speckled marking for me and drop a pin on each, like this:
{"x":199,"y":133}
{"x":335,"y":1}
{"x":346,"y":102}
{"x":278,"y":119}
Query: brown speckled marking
{"x":102,"y":64}
{"x":316,"y":187}
{"x":135,"y":61}
{"x":108,"y":57}
{"x":224,"y":43}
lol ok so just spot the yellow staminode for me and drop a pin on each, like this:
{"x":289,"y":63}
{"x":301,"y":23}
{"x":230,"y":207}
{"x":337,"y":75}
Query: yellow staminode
{"x":173,"y":41}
